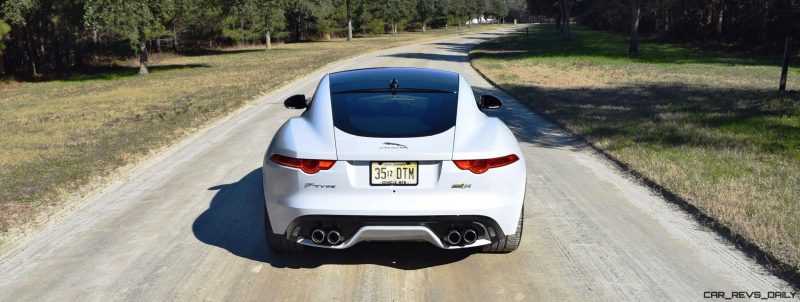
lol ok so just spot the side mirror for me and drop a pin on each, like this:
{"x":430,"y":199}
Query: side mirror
{"x":490,"y":102}
{"x":297,"y":101}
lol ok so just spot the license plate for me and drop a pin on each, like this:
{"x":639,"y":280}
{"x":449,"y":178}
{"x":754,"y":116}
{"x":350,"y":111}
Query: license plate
{"x":389,"y":173}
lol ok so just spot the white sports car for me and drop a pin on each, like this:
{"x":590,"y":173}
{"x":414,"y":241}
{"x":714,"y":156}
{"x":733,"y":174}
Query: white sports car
{"x":394,"y":154}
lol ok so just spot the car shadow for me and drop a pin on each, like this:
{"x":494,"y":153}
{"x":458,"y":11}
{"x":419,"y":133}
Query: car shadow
{"x":234,"y":221}
{"x":527,"y":125}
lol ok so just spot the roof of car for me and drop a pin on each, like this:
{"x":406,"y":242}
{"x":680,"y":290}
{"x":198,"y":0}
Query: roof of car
{"x":407,"y":78}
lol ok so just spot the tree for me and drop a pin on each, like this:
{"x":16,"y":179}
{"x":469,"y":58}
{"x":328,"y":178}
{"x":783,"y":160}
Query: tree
{"x":426,"y":10}
{"x":174,"y":14}
{"x":471,"y":8}
{"x":517,"y":9}
{"x":129,"y":19}
{"x":453,"y":9}
{"x":561,"y":10}
{"x":18,"y":13}
{"x":498,"y":9}
{"x":267,"y":9}
{"x":308,"y":17}
{"x":443,"y":8}
{"x":394,"y":11}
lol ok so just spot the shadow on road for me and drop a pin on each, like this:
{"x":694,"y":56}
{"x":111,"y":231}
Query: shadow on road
{"x":528,"y":126}
{"x":460,"y":48}
{"x":431,"y":57}
{"x":235,"y":221}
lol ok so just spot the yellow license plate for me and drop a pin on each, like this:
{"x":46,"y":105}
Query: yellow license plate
{"x":390,"y":173}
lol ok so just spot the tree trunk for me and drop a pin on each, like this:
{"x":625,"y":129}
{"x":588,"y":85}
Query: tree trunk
{"x":241,"y":34}
{"x":268,"y":40}
{"x":268,"y":35}
{"x":423,"y":26}
{"x":31,"y":50}
{"x":566,"y":5}
{"x":175,"y":37}
{"x":61,"y":60}
{"x":765,"y":22}
{"x":559,"y":28}
{"x":79,"y":55}
{"x":349,"y":21}
{"x":785,"y":66}
{"x":142,"y":52}
{"x":635,"y":14}
{"x":720,"y":18}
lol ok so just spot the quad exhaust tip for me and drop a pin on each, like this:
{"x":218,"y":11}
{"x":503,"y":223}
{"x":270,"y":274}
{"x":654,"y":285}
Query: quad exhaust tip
{"x":453,"y":237}
{"x":470,"y":236}
{"x":466,"y":237}
{"x":318,"y":236}
{"x":334,"y":237}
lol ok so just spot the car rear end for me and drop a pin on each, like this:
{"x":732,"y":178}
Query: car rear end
{"x":386,"y":162}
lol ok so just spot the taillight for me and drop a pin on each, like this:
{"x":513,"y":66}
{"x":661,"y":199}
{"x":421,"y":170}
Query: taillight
{"x":479,"y":166}
{"x":309,"y":166}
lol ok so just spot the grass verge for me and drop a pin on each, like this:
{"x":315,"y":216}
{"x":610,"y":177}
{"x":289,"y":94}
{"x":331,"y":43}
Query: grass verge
{"x":706,"y":126}
{"x":59,"y":136}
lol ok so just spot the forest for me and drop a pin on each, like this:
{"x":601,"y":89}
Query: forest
{"x":751,"y":26}
{"x":40,"y":37}
{"x":52,"y":37}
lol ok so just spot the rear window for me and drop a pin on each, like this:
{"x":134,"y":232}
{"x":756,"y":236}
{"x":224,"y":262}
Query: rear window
{"x":406,"y":114}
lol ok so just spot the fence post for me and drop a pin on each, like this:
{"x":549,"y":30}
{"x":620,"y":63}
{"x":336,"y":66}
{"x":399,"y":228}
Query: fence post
{"x":785,"y":68}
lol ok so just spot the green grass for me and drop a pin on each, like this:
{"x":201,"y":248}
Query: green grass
{"x":708,"y":126}
{"x":61,"y":135}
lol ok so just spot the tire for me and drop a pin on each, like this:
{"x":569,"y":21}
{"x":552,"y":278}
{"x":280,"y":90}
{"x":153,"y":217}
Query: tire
{"x":278,"y":242}
{"x":507,"y":244}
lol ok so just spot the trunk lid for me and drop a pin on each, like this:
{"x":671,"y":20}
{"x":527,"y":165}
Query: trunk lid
{"x":358,"y":148}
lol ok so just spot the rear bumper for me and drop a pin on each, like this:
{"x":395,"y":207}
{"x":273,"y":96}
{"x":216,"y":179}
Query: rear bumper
{"x":501,"y":213}
{"x":497,"y":195}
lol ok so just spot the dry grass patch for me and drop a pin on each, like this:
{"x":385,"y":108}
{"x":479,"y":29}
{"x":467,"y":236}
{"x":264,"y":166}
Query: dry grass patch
{"x":707,"y":126}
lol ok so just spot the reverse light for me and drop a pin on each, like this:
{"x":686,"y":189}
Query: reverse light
{"x":309,"y":166}
{"x":479,"y":166}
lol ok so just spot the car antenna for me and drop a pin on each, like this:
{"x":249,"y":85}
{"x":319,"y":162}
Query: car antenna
{"x":393,"y":86}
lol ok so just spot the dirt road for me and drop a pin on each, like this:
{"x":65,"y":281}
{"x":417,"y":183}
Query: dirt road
{"x":188,"y":225}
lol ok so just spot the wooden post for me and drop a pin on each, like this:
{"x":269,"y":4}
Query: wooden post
{"x":785,"y":68}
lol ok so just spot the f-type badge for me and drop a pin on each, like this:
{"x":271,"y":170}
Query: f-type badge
{"x":390,"y":145}
{"x":318,"y":186}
